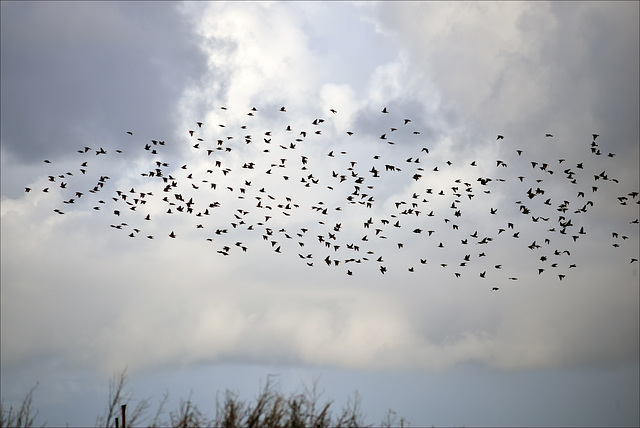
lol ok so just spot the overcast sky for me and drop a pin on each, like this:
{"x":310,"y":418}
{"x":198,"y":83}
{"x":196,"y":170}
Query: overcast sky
{"x":82,"y":300}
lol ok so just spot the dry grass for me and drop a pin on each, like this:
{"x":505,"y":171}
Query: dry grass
{"x":270,"y":409}
{"x":22,"y":417}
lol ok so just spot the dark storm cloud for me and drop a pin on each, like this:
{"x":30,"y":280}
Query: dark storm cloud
{"x":102,"y":68}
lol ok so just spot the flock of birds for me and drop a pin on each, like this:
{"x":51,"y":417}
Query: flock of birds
{"x":271,"y":184}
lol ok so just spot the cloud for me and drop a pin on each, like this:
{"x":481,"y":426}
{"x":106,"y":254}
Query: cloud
{"x":462,"y":74}
{"x":73,"y":74}
{"x":525,"y":67}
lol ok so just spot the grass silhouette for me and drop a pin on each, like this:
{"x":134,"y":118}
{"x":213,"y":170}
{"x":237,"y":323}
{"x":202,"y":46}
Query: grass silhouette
{"x":270,"y":409}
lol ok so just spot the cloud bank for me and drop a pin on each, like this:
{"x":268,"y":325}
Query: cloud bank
{"x":73,"y":290}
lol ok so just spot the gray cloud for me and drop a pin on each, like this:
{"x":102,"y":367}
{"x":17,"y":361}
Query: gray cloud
{"x":462,"y":75}
{"x":445,"y":134}
{"x":76,"y":74}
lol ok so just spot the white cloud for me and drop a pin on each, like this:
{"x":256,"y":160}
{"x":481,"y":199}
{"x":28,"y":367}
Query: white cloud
{"x":484,"y":58}
{"x":464,"y":72}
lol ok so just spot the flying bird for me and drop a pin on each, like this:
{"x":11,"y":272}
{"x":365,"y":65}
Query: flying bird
{"x":349,"y":178}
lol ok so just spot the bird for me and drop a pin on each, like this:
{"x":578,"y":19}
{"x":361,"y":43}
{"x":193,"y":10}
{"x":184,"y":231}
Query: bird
{"x":185,"y":197}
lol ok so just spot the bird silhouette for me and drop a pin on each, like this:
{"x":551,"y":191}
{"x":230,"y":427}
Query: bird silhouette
{"x":360,"y":182}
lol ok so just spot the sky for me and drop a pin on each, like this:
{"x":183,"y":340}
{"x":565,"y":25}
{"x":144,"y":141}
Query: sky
{"x":81,"y":299}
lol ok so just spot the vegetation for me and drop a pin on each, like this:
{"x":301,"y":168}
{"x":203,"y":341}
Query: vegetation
{"x":22,"y":417}
{"x":270,"y":409}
